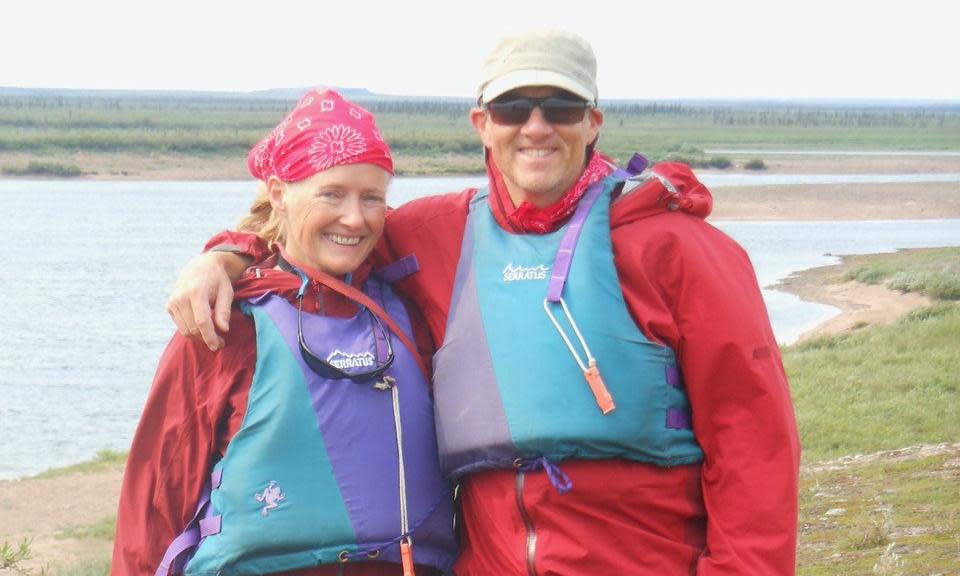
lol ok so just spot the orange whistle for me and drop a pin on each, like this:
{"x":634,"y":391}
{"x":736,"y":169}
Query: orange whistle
{"x":406,"y":557}
{"x":599,"y":389}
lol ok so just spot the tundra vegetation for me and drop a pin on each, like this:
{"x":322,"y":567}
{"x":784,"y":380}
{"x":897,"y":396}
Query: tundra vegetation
{"x":57,"y":133}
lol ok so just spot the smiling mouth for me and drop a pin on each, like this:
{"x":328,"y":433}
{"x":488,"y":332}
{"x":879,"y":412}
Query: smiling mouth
{"x":537,"y":152}
{"x":343,"y":240}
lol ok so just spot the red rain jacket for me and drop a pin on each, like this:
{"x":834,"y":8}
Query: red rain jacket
{"x":688,"y":286}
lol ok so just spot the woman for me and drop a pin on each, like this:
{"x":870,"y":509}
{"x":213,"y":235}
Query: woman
{"x":306,"y":445}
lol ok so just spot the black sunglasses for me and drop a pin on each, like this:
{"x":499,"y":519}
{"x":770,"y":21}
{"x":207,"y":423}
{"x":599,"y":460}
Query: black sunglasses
{"x":327,"y":370}
{"x":516,"y":110}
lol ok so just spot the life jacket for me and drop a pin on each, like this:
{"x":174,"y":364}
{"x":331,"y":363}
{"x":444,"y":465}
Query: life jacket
{"x":326,"y":470}
{"x":514,"y":384}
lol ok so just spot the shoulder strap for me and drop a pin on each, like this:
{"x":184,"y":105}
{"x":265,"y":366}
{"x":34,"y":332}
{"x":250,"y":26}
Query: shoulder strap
{"x":398,"y":269}
{"x":637,"y":164}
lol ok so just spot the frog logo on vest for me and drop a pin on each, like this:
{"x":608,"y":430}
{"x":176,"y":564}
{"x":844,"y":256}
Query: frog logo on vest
{"x":514,"y":273}
{"x":272,"y":496}
{"x":344,"y":360}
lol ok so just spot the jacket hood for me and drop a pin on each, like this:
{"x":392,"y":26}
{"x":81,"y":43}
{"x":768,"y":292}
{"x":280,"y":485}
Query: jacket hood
{"x":664,"y":187}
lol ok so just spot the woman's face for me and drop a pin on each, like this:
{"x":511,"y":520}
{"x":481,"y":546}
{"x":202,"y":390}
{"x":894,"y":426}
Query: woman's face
{"x":334,"y":218}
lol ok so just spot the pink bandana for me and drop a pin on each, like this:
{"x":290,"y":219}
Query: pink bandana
{"x":323,"y":131}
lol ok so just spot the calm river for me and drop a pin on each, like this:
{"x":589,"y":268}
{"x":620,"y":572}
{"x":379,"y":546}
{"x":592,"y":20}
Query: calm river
{"x":89,"y":264}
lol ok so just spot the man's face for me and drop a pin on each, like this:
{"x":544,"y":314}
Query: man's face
{"x":539,"y":160}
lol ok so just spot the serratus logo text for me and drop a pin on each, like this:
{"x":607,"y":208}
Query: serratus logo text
{"x":513,"y":273}
{"x":344,"y":361}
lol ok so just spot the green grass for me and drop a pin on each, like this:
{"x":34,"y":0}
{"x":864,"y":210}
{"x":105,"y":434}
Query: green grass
{"x":693,"y":156}
{"x":96,"y":568}
{"x":12,"y":554}
{"x":35,"y":168}
{"x":934,"y":273}
{"x":105,"y":460}
{"x":11,"y":558}
{"x":103,"y":529}
{"x":655,"y":134}
{"x":879,"y":388}
{"x":902,"y":516}
{"x":882,"y":388}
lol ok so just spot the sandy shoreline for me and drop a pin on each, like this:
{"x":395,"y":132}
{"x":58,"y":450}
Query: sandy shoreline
{"x":859,"y":304}
{"x":925,"y":200}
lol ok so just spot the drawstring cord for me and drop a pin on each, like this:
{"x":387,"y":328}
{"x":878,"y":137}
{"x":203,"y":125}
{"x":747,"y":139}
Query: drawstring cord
{"x":558,"y":478}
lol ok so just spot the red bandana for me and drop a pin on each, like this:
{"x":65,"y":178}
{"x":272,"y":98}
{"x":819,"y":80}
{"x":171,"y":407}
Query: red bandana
{"x":527,"y":218}
{"x":323,"y":131}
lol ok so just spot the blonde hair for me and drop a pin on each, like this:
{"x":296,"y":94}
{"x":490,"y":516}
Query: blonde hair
{"x":262,"y":220}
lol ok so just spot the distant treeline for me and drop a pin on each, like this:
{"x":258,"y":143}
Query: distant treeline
{"x":432,"y":128}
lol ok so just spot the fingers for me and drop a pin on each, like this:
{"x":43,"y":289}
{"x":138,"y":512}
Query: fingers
{"x":180,"y":311}
{"x":173,"y":308}
{"x":200,"y":305}
{"x":221,"y":305}
{"x":201,"y":299}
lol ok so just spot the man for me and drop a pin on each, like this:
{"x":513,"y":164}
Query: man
{"x":608,"y":389}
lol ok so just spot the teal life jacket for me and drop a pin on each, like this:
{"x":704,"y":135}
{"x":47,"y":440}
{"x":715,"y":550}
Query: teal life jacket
{"x":508,"y":387}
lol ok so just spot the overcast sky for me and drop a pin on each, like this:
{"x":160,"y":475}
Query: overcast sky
{"x":665,"y":49}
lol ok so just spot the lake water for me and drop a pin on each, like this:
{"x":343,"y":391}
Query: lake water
{"x":88,"y":267}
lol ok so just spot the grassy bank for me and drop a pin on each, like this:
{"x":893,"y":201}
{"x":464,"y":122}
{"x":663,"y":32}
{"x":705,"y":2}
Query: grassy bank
{"x":878,"y":389}
{"x":435,"y":137}
{"x":105,"y":460}
{"x":886,"y":387}
{"x":934,"y":273}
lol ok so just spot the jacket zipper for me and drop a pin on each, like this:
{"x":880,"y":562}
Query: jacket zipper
{"x":531,"y":531}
